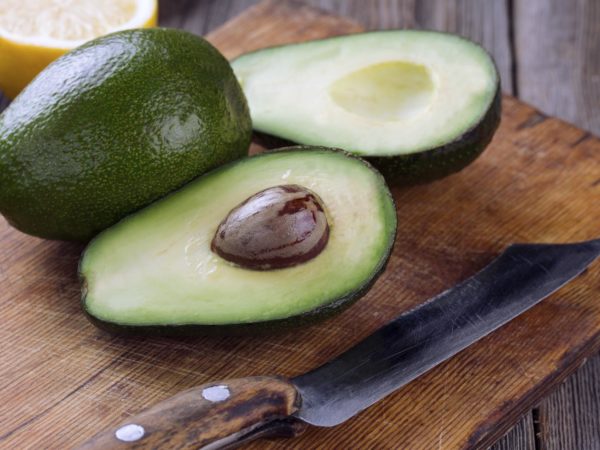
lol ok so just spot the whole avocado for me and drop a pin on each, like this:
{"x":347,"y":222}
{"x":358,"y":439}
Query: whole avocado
{"x":114,"y":125}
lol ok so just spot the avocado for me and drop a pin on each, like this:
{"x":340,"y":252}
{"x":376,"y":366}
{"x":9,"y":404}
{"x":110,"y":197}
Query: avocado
{"x":277,"y":239}
{"x":114,"y":125}
{"x":418,"y":105}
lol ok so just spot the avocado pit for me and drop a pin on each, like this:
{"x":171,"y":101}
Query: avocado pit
{"x":278,"y":227}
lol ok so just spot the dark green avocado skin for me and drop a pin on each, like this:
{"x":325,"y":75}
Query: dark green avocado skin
{"x":316,"y":315}
{"x":114,"y":125}
{"x":431,"y":164}
{"x":439,"y":162}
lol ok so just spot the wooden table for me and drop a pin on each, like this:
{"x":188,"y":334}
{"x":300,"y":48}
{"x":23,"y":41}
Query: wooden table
{"x":548,"y":54}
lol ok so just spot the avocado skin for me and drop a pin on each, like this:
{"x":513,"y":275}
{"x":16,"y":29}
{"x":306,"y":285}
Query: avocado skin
{"x":439,"y":162}
{"x":321,"y":313}
{"x":114,"y":125}
{"x":431,"y":164}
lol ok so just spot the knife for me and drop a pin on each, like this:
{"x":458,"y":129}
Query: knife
{"x":227,"y":413}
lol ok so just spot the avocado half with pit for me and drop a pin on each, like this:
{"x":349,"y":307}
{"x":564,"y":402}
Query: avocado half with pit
{"x":419,"y":105}
{"x":275,"y":239}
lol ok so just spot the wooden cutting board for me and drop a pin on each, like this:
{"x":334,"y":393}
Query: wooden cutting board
{"x":62,"y":380}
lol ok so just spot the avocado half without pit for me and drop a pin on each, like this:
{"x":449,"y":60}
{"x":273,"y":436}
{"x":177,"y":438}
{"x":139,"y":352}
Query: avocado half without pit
{"x":419,"y":105}
{"x":276,"y":239}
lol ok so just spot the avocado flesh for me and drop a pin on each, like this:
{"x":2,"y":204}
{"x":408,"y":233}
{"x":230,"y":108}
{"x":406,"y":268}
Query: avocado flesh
{"x":154,"y":271}
{"x":114,"y":125}
{"x":393,"y":97}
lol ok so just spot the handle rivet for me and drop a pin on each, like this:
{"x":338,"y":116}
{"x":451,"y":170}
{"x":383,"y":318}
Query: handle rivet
{"x":216,"y":393}
{"x":130,"y":432}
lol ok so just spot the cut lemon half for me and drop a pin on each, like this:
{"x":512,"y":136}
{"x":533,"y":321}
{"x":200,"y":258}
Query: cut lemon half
{"x":35,"y":32}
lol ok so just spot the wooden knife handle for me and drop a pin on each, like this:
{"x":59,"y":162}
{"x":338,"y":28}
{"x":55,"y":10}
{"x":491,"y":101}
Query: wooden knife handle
{"x":218,"y":415}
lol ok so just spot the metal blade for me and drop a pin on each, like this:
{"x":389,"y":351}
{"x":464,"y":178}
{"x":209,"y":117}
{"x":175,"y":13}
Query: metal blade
{"x":422,"y":338}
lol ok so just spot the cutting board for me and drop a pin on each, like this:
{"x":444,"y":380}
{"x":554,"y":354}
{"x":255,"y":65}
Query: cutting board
{"x":62,"y":380}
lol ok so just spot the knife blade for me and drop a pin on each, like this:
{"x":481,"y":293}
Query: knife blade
{"x":230,"y":412}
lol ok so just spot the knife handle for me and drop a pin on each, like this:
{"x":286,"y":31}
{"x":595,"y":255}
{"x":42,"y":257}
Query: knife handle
{"x":218,"y":415}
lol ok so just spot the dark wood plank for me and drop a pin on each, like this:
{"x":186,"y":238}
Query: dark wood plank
{"x":569,"y":418}
{"x":557,"y":59}
{"x":520,"y":437}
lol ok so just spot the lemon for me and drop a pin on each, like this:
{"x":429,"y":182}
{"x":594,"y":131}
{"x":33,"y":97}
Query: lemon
{"x":35,"y":32}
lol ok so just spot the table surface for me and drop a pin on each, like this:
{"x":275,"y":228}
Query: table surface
{"x":548,"y":54}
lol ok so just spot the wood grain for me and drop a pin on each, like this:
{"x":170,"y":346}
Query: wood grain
{"x":569,"y":418}
{"x":557,"y":64}
{"x":200,"y":17}
{"x":520,"y":437}
{"x":65,"y":378}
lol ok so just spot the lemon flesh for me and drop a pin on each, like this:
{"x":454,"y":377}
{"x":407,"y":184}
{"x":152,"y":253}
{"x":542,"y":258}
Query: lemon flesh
{"x":33,"y":32}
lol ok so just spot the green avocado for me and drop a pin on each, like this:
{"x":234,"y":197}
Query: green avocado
{"x":156,"y":271}
{"x":114,"y":125}
{"x":418,"y":105}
